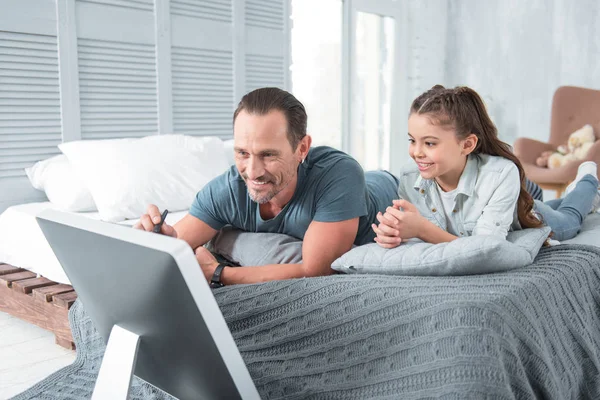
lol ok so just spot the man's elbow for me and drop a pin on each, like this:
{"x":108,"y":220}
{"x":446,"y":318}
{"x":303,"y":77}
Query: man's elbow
{"x":311,"y":271}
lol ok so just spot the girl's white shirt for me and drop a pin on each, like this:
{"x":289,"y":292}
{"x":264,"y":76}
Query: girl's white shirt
{"x":448,"y":203}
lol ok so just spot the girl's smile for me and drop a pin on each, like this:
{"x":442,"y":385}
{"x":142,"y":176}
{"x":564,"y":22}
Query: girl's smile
{"x":424,"y":166}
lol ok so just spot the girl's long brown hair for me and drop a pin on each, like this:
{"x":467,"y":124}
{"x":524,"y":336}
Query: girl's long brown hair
{"x":462,"y":109}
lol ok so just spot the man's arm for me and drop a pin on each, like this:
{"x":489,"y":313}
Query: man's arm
{"x":323,"y":243}
{"x":194,"y":231}
{"x":191,"y":229}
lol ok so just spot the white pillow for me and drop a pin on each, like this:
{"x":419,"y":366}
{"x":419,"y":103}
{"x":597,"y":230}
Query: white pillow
{"x":125,"y":175}
{"x":62,"y":185}
{"x":229,"y":151}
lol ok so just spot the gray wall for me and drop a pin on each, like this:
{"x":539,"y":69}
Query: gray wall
{"x":514,"y":53}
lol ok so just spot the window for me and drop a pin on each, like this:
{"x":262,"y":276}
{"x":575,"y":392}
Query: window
{"x":345,"y":70}
{"x":317,"y":67}
{"x":371,"y":91}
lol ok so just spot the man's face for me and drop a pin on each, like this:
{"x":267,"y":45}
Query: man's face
{"x":263,"y":154}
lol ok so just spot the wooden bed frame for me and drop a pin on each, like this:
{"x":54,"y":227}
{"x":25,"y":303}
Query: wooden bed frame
{"x":37,"y":300}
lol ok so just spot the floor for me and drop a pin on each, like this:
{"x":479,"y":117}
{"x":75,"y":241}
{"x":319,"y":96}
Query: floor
{"x":27,"y":355}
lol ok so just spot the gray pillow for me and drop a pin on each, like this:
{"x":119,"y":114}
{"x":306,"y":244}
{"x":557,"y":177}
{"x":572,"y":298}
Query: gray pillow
{"x":471,"y":255}
{"x":253,"y":249}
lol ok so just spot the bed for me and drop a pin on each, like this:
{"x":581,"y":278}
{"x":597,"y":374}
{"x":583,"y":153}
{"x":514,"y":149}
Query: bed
{"x":529,"y":333}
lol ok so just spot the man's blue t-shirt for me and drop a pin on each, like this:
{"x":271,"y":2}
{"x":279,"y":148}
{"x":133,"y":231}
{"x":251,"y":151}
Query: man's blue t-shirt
{"x":331,"y":187}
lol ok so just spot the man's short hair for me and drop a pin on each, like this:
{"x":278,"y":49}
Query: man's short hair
{"x":262,"y":101}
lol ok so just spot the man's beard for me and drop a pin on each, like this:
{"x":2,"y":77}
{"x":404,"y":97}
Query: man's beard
{"x":263,"y":198}
{"x":268,"y":196}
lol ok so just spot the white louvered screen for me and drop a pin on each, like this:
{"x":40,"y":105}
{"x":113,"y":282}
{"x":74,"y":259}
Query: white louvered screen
{"x":117,"y":85}
{"x":265,"y":14}
{"x":202,"y":91}
{"x":217,"y":10}
{"x":264,"y":70}
{"x":30,"y":125}
{"x":202,"y":67}
{"x":266,"y":58}
{"x":147,"y":5}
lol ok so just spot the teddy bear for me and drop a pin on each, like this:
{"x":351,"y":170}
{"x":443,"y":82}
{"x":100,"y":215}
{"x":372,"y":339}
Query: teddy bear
{"x":577,"y":147}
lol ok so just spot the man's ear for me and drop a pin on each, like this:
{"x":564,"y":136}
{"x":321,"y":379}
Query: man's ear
{"x":303,"y":147}
{"x":469,"y":144}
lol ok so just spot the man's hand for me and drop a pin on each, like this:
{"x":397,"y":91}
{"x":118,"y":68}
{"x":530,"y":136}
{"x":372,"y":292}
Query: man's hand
{"x":151,"y":218}
{"x":207,"y":262}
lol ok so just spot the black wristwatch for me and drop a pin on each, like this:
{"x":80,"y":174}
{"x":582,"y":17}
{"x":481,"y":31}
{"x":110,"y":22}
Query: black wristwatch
{"x":215,"y":281}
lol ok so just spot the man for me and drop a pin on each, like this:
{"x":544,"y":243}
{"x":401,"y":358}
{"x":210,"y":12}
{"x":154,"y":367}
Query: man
{"x":279,"y":184}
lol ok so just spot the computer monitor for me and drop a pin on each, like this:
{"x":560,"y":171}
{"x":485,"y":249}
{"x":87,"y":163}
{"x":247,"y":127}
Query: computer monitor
{"x":150,"y":302}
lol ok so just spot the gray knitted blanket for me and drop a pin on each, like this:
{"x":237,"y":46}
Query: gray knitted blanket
{"x":525,"y":334}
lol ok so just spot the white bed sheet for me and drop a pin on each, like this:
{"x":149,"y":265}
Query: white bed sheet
{"x":23,"y":244}
{"x":590,"y":231}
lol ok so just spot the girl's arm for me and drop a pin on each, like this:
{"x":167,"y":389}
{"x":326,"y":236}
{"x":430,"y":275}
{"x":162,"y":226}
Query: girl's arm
{"x":498,"y":214}
{"x":389,"y":237}
{"x":432,"y":233}
{"x":396,"y":225}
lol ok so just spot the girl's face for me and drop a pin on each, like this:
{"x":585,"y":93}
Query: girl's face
{"x":439,"y":154}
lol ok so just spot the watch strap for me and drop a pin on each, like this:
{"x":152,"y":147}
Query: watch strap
{"x":215,"y":281}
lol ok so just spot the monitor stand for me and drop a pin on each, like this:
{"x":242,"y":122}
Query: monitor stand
{"x":116,"y":371}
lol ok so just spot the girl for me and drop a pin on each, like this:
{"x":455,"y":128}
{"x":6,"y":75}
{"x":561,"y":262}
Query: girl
{"x":466,"y":181}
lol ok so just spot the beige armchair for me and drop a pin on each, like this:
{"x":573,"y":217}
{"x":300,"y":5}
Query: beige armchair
{"x":572,"y":108}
